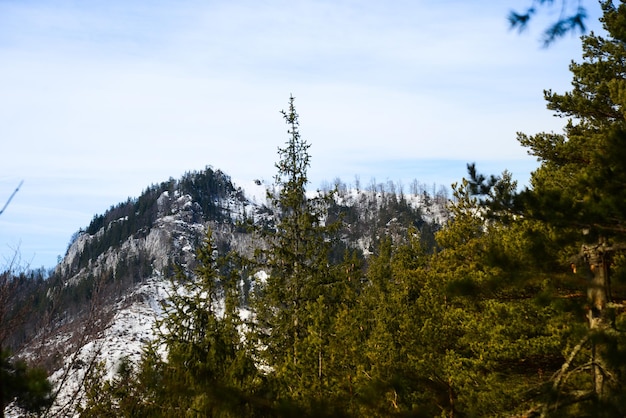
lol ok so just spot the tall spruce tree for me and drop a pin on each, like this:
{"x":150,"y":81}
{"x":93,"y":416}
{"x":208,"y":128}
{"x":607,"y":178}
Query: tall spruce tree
{"x":293,"y":305}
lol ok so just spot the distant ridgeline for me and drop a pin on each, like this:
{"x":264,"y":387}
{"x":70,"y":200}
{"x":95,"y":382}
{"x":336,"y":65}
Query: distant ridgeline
{"x":158,"y":230}
{"x":151,"y":234}
{"x":365,"y":213}
{"x":163,"y":227}
{"x":208,"y":190}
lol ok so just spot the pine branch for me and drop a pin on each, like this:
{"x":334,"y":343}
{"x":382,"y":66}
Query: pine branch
{"x":569,"y":20}
{"x":558,"y":377}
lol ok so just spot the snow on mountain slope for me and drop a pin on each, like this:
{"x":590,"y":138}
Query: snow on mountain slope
{"x":130,"y":327}
{"x":134,"y":270}
{"x":127,"y":299}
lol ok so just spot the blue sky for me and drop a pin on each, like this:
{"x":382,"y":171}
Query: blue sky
{"x":100,"y":99}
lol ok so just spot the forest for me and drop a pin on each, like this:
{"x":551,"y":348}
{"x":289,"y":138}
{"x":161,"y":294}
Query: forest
{"x":516,"y":306}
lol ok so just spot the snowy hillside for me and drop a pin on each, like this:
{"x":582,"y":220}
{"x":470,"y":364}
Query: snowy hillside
{"x":131,"y":326}
{"x":108,"y":290}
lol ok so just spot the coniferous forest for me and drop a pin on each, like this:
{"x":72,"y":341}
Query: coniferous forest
{"x":516,"y":306}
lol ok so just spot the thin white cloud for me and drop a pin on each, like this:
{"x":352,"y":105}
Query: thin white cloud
{"x":99,"y":100}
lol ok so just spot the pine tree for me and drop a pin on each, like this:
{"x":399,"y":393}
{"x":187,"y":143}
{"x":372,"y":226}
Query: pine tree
{"x":21,"y":383}
{"x":207,"y":358}
{"x":293,"y":308}
{"x":27,"y":386}
{"x":209,"y":370}
{"x":578,"y":193}
{"x":579,"y":187}
{"x":382,"y":385}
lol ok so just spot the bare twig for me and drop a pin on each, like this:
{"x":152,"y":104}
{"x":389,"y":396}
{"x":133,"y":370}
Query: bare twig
{"x":17,"y":189}
{"x":559,"y":375}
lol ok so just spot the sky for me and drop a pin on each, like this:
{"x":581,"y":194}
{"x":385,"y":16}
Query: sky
{"x":99,"y":99}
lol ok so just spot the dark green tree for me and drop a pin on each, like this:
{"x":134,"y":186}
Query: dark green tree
{"x":578,"y":192}
{"x":27,"y":386}
{"x":205,"y":351}
{"x":208,"y":370}
{"x":294,"y":307}
{"x":490,"y":296}
{"x":457,"y":332}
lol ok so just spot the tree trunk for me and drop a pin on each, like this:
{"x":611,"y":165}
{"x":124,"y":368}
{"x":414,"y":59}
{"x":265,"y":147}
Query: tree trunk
{"x":599,"y":294}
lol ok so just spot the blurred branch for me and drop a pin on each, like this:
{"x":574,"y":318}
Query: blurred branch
{"x":17,"y":189}
{"x":570,"y":19}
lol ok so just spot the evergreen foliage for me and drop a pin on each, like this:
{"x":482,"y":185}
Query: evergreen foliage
{"x":571,"y":18}
{"x":451,"y":323}
{"x":506,"y":310}
{"x":207,"y":371}
{"x":577,"y":195}
{"x":208,"y":188}
{"x":294,"y":307}
{"x":27,"y":386}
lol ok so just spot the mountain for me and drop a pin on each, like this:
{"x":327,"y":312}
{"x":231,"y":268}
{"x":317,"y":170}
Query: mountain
{"x":105,"y":296}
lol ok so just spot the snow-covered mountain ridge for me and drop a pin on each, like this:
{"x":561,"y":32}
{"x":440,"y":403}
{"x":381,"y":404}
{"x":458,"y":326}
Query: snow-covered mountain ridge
{"x":108,"y":290}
